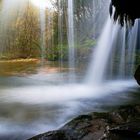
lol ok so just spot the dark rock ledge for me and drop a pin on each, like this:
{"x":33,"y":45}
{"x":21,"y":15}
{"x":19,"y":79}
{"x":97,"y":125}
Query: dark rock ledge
{"x":137,"y":75}
{"x":121,"y":124}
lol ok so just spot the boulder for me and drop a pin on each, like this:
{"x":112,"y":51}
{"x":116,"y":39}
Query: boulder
{"x":120,"y":124}
{"x":137,"y":75}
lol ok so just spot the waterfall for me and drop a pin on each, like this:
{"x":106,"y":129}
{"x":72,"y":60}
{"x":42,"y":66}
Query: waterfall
{"x":43,"y":33}
{"x":132,"y":46}
{"x":71,"y":39}
{"x":124,"y":52}
{"x":49,"y":32}
{"x":46,"y":27}
{"x":60,"y":32}
{"x":101,"y":54}
{"x":115,"y":50}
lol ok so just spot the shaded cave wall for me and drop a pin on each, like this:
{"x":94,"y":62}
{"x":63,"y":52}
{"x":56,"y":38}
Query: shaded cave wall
{"x":125,"y":10}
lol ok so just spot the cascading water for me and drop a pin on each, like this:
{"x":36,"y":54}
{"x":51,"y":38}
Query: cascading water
{"x":49,"y":33}
{"x":36,"y":103}
{"x":60,"y":32}
{"x":43,"y":33}
{"x":71,"y":39}
{"x":101,"y":54}
{"x":45,"y":26}
{"x":99,"y":15}
{"x":132,"y":46}
{"x":123,"y":55}
{"x":115,"y":44}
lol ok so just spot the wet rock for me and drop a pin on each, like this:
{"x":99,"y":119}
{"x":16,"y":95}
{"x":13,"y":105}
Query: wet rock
{"x":137,"y":75}
{"x":125,"y":10}
{"x":131,"y":129}
{"x":53,"y":135}
{"x":115,"y":117}
{"x":120,"y":124}
{"x":127,"y":113}
{"x":79,"y":127}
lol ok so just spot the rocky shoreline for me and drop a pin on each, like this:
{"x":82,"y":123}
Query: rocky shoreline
{"x":120,"y":124}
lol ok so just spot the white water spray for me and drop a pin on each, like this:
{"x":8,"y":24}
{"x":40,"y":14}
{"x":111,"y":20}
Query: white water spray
{"x":101,"y":54}
{"x":43,"y":35}
{"x":122,"y":53}
{"x":113,"y":44}
{"x":132,"y":44}
{"x":71,"y":39}
{"x":60,"y":32}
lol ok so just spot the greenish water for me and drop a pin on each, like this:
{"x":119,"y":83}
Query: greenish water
{"x":36,"y":99}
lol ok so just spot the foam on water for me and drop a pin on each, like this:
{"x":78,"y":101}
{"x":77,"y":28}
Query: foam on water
{"x":62,"y":93}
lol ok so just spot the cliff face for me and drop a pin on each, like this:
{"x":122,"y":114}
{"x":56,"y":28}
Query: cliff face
{"x":125,"y":10}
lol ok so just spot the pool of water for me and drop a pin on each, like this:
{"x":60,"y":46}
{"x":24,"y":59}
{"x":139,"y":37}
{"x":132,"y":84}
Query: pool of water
{"x":36,"y":99}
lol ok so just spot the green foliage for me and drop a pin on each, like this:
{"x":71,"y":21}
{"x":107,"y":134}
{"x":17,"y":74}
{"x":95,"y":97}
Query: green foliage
{"x":21,"y":39}
{"x":58,"y":52}
{"x":89,"y":43}
{"x":85,"y":48}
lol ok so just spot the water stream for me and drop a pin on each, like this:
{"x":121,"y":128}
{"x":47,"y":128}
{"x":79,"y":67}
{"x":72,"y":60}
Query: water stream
{"x":43,"y":34}
{"x":115,"y":44}
{"x":71,"y":39}
{"x":36,"y":99}
{"x":101,"y":55}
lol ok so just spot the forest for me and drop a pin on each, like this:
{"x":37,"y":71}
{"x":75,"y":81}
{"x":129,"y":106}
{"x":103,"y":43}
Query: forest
{"x":20,"y":38}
